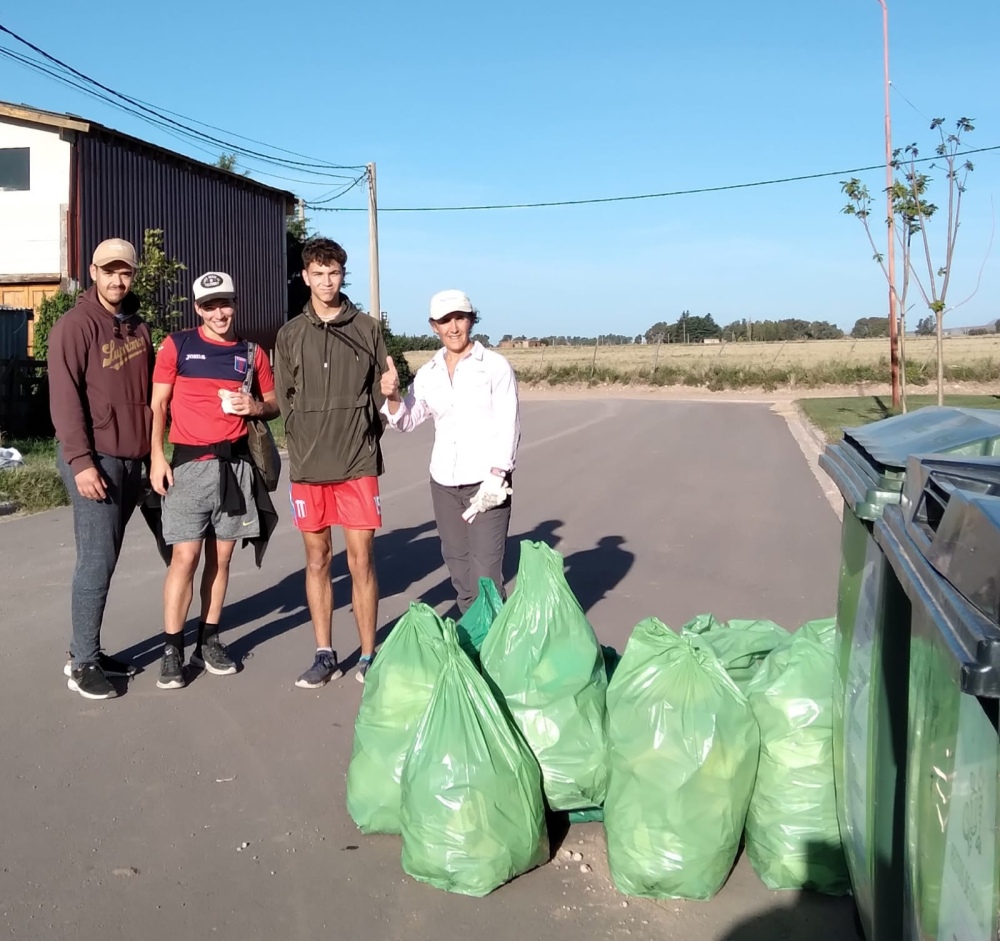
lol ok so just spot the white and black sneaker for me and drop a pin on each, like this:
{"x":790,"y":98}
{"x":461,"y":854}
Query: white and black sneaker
{"x":109,"y":666}
{"x":212,"y":656}
{"x":171,"y":669}
{"x":90,"y":682}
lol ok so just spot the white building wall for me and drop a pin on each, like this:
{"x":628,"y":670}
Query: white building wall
{"x":31,"y":221}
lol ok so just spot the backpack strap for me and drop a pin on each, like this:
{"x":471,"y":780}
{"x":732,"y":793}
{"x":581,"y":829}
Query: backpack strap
{"x":251,"y":362}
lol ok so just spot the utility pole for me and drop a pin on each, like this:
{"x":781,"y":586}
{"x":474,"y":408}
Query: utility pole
{"x":301,"y":206}
{"x":891,"y":256}
{"x":375,"y":300}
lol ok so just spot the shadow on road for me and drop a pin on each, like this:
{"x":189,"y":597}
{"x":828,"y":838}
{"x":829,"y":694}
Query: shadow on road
{"x":594,"y":573}
{"x":403,"y":558}
{"x":812,"y":916}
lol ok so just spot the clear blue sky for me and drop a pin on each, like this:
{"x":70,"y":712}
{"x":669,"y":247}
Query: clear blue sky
{"x":462,"y":103}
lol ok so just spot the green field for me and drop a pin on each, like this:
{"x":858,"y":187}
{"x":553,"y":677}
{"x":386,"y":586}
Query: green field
{"x":831,"y":416}
{"x":797,"y":364}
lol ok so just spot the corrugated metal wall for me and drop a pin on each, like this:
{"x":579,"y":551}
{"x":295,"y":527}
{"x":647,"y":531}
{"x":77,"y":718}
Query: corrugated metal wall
{"x":210,"y":223}
{"x":14,"y":332}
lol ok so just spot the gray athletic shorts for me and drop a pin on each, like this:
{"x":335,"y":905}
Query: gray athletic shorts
{"x":193,"y":504}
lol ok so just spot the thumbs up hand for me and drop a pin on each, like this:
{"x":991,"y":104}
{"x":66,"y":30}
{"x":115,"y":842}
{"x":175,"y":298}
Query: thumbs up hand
{"x":390,"y":381}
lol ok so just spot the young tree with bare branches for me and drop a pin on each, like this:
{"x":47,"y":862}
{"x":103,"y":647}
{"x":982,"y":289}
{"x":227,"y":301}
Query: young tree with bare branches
{"x":912,"y":211}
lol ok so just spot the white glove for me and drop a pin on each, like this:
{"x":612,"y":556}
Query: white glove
{"x":492,"y":493}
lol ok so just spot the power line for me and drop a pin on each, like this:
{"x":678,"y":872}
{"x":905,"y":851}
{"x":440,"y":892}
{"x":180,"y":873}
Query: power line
{"x":622,"y":199}
{"x":170,"y":132}
{"x":338,"y":193}
{"x":159,"y":118}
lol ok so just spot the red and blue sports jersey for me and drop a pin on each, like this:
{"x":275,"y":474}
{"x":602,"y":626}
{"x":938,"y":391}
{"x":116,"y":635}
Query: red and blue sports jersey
{"x":198,"y":368}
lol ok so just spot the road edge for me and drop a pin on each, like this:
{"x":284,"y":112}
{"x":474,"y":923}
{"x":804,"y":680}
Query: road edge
{"x":811,"y":443}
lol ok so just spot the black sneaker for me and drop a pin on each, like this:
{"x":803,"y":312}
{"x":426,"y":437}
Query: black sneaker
{"x":109,"y":666}
{"x":171,"y":669}
{"x":323,"y":670}
{"x":213,"y":657}
{"x":91,"y":683}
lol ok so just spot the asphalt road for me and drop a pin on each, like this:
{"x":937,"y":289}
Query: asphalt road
{"x":127,"y":819}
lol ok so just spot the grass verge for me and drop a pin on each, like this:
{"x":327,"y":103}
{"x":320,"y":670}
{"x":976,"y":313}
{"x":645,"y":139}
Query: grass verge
{"x":831,"y":416}
{"x":37,"y":485}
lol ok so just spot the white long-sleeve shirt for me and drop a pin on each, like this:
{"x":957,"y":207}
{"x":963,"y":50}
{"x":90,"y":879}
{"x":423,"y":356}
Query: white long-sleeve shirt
{"x":476,"y":417}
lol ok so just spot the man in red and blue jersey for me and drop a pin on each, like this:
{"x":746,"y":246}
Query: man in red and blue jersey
{"x":207,"y":487}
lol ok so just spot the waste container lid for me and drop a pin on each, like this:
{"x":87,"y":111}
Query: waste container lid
{"x":932,"y":430}
{"x":965,"y":547}
{"x":938,"y":474}
{"x":972,"y":637}
{"x":955,"y":526}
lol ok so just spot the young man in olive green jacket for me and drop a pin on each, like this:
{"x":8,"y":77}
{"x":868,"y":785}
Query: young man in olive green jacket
{"x":328,"y":366}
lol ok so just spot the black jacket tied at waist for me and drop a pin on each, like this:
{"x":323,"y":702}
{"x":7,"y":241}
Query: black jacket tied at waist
{"x":229,"y":454}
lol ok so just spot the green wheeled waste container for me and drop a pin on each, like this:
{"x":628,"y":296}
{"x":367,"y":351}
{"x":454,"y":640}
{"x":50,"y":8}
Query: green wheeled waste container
{"x":869,"y":467}
{"x":944,"y":549}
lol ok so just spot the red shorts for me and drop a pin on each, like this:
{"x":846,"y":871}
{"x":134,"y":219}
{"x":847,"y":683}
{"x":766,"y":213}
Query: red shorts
{"x":353,"y":504}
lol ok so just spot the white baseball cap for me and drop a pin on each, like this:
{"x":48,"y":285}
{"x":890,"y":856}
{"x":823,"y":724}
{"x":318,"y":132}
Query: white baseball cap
{"x":450,"y":302}
{"x":211,"y":285}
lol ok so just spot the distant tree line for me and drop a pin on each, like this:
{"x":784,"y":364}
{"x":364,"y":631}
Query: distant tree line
{"x":414,"y":343}
{"x":695,"y":329}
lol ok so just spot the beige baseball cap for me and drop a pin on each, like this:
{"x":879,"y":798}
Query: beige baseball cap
{"x":450,"y":302}
{"x":112,"y":250}
{"x":212,"y":285}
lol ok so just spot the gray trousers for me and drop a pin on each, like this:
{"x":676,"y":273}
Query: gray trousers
{"x":471,"y":550}
{"x":99,"y":528}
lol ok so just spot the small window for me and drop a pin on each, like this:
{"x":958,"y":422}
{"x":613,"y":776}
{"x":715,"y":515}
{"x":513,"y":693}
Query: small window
{"x":15,"y":169}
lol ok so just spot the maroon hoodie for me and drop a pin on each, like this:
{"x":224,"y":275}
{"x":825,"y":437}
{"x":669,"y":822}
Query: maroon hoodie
{"x":99,"y":383}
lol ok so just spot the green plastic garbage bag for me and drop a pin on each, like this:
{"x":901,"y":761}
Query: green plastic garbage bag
{"x":683,"y":747}
{"x":544,"y":659}
{"x":792,"y":835}
{"x":742,"y":646}
{"x":477,"y":621}
{"x":398,"y":688}
{"x":473,"y":816}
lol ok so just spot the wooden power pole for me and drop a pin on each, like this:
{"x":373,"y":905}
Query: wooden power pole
{"x":376,"y":301}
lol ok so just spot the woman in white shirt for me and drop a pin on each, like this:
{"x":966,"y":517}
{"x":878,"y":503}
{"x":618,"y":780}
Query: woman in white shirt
{"x":471,"y":393}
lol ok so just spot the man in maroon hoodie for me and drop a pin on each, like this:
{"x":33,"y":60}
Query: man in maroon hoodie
{"x":100,"y":368}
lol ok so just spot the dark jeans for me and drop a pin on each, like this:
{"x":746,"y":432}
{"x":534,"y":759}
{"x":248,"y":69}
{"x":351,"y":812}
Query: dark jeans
{"x":99,"y":527}
{"x":471,"y":550}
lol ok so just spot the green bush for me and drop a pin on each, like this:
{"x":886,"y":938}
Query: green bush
{"x":396,"y":347}
{"x":49,"y":311}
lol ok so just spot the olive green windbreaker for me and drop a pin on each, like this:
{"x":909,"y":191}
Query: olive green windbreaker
{"x":327,"y":378}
